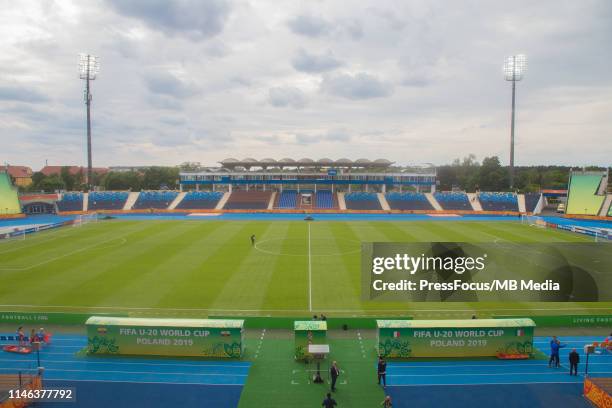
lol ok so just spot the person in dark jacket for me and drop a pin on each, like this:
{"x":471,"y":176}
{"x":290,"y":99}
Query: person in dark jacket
{"x":329,"y":402}
{"x":574,"y":359}
{"x":334,"y":371}
{"x":382,"y":371}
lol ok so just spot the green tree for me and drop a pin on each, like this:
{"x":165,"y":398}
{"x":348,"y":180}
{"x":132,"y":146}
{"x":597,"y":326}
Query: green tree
{"x":51,"y":184}
{"x":492,"y":176}
{"x":160,"y":177}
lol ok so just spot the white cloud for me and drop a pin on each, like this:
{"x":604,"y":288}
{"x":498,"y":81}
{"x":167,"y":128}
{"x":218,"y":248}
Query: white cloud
{"x":420,"y":81}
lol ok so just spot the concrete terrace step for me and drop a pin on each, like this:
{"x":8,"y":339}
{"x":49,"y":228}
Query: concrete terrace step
{"x":606,"y":206}
{"x":222,"y":201}
{"x":383,"y":201}
{"x":271,"y":202}
{"x":434,"y":203}
{"x":341,"y":202}
{"x":177,"y":200}
{"x":521,"y":203}
{"x":131,"y":200}
{"x":473,"y":197}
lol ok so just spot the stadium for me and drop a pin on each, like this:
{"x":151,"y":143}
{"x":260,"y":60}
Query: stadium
{"x":305,"y":204}
{"x":187,"y":254}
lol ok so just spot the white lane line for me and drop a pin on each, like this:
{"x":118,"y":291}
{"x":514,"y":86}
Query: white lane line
{"x":309,"y":273}
{"x":135,"y":372}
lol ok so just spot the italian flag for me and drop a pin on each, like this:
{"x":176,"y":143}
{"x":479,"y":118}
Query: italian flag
{"x":520,"y":332}
{"x":396,"y":334}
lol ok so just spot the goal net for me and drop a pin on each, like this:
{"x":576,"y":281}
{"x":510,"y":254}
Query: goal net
{"x":14,"y":235}
{"x":85,"y":219}
{"x":533,"y":221}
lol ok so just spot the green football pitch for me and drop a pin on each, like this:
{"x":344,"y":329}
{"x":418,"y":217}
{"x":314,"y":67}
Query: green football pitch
{"x":202,"y":268}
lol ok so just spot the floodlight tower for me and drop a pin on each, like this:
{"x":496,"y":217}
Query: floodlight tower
{"x":89,"y":67}
{"x":514,"y":69}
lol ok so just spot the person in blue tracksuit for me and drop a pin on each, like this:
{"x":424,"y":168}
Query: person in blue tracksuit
{"x":555,"y":345}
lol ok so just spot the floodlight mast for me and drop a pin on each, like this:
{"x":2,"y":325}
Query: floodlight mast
{"x":514,"y":69}
{"x":89,"y":67}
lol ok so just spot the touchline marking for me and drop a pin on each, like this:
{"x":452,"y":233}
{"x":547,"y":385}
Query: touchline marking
{"x":364,"y":312}
{"x":309,"y":273}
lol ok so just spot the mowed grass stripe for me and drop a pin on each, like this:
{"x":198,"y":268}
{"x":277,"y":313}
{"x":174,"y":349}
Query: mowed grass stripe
{"x":201,"y":278}
{"x":100,"y":273}
{"x":249,"y":282}
{"x":63,"y":269}
{"x":288,"y":285}
{"x":160,"y":272}
{"x":26,"y":255}
{"x":333,"y":286}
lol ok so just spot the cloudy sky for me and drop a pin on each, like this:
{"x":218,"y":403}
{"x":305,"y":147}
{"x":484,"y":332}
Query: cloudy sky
{"x":201,"y":80}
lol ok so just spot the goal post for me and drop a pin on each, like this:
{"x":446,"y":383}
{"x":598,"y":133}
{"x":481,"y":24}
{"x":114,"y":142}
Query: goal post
{"x":15,"y":235}
{"x":533,"y":221}
{"x":83,"y":219}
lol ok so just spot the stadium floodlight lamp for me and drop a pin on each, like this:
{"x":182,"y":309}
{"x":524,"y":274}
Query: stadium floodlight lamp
{"x":514,"y":70}
{"x":515,"y":67}
{"x":89,"y":66}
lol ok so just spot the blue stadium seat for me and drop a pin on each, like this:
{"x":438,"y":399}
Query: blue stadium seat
{"x":408,"y":201}
{"x":288,"y":199}
{"x":362,"y":201}
{"x":453,"y":200}
{"x":498,"y":201}
{"x":154,"y":199}
{"x":200,"y":200}
{"x":324,"y":199}
{"x":71,"y":202}
{"x":107,"y":200}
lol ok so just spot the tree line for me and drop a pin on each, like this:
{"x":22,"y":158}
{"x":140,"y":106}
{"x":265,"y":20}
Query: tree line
{"x":152,"y":178}
{"x":469,"y":175}
{"x":465,"y":174}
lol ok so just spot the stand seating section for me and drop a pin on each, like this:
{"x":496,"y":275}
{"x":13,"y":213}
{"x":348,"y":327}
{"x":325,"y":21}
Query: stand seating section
{"x":582,"y":197}
{"x":453,"y":200}
{"x":288,"y":199}
{"x":362,"y":201}
{"x":408,"y":201}
{"x":107,"y":200}
{"x":324,"y":199}
{"x":248,"y":200}
{"x":498,"y":201}
{"x":9,"y":201}
{"x":200,"y":200}
{"x":71,"y":202}
{"x":154,"y":199}
{"x":531,"y":200}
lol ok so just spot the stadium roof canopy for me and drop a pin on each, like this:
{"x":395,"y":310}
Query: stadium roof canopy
{"x":231,"y":163}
